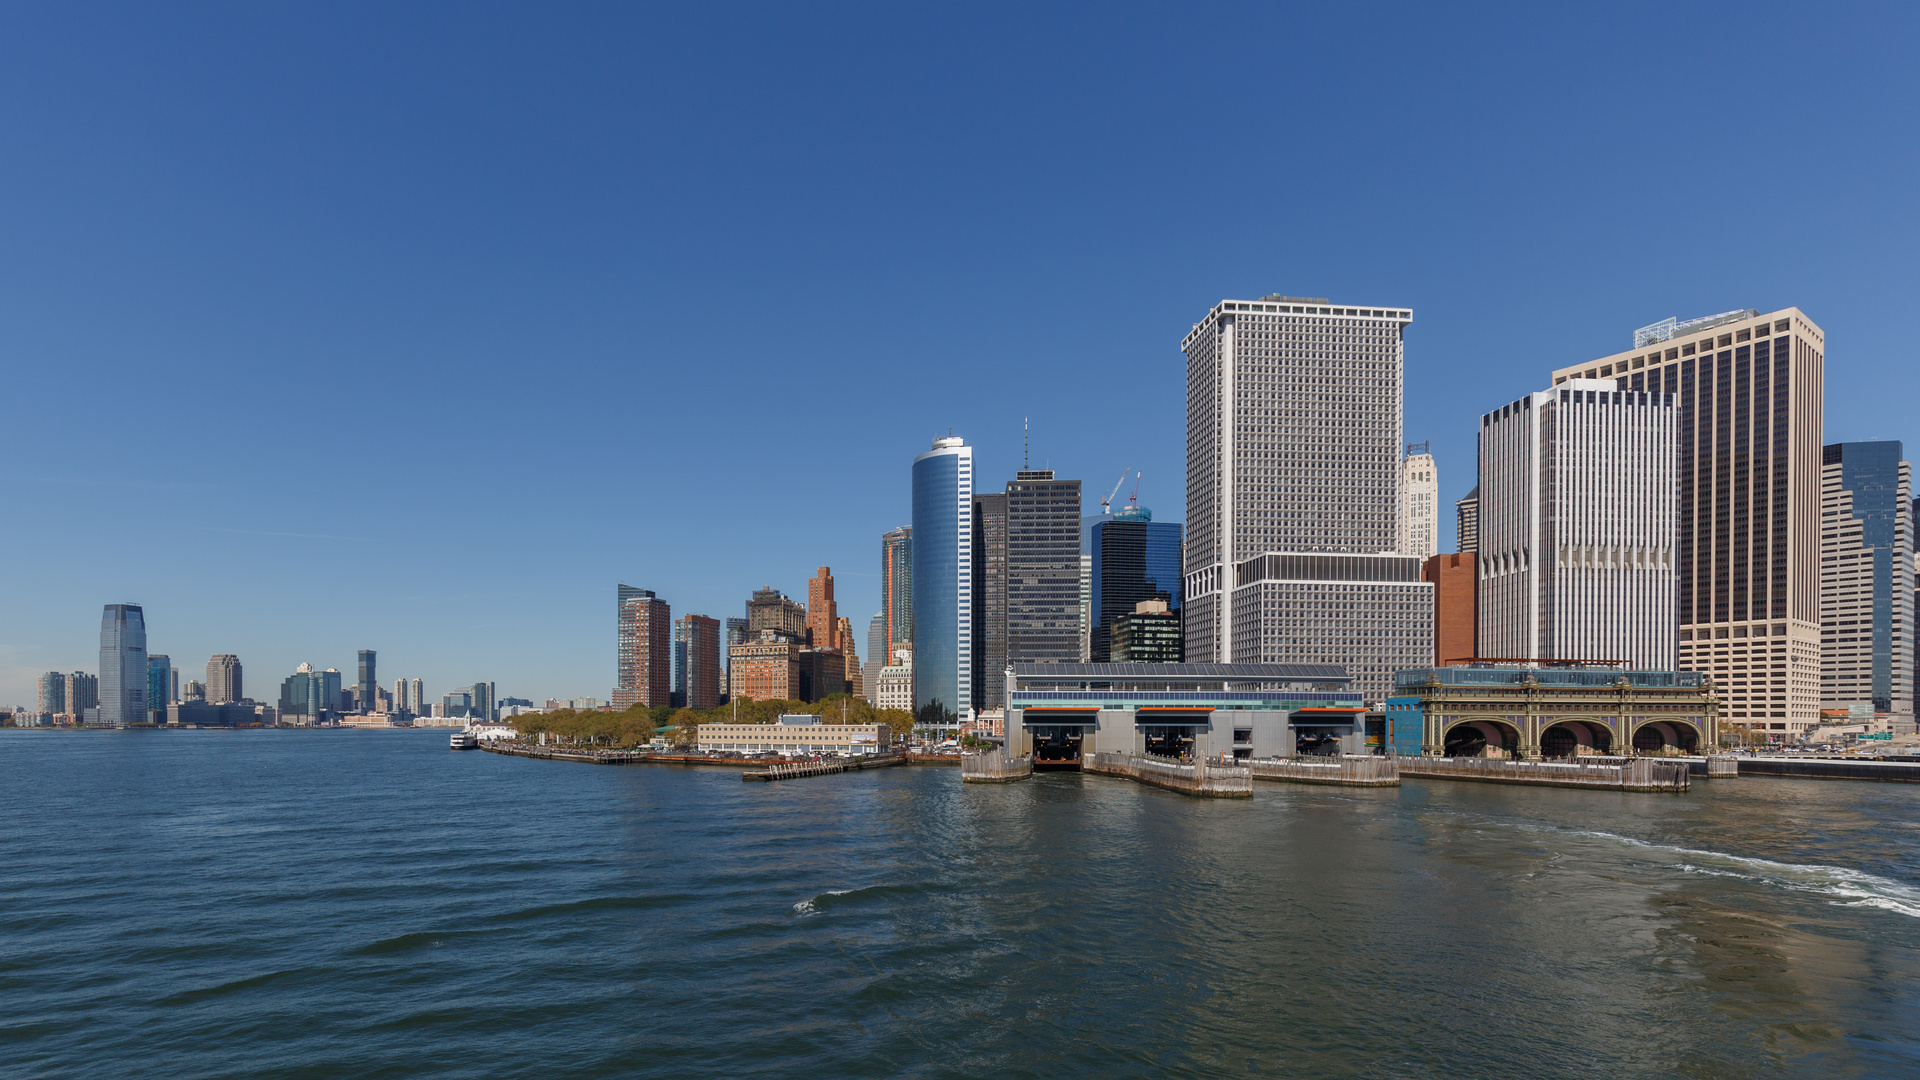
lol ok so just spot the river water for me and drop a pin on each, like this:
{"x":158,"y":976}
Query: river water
{"x":370,"y":904}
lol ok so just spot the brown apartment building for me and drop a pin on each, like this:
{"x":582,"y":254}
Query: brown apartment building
{"x":644,"y":649}
{"x":823,"y":620}
{"x":1748,"y":387}
{"x":766,"y":667}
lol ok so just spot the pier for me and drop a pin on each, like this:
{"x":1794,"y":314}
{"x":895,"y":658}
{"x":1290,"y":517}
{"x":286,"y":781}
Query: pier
{"x":1813,"y":768}
{"x":1347,"y":771}
{"x":801,"y":769}
{"x":1632,"y":774}
{"x":994,"y":767}
{"x":1200,"y":777}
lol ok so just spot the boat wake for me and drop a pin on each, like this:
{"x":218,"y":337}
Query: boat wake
{"x":1842,"y":885}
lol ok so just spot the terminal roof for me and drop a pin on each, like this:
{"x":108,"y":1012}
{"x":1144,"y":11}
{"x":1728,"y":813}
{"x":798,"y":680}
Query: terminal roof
{"x":1234,"y":672}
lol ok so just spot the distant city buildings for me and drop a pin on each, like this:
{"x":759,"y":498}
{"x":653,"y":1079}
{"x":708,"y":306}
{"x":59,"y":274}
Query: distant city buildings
{"x":644,"y":649}
{"x":1293,"y":469}
{"x":309,"y":696}
{"x":1749,"y":398}
{"x":123,"y":665}
{"x":766,"y":667}
{"x":771,"y":609}
{"x":1419,"y":503}
{"x":1866,"y":594}
{"x":1042,"y":573}
{"x":736,"y":631}
{"x":942,"y":563}
{"x":224,"y":678}
{"x":367,"y":690}
{"x":1578,"y":526}
{"x":877,"y":654}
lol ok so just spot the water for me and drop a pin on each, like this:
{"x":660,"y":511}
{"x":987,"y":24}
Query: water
{"x":369,"y":904}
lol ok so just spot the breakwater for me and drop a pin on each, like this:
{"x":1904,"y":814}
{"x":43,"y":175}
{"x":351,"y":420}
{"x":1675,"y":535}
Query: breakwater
{"x":802,"y":769}
{"x":1351,"y":771}
{"x":1634,"y":774}
{"x":1202,"y":778}
{"x":994,"y":767}
{"x":1830,"y":769}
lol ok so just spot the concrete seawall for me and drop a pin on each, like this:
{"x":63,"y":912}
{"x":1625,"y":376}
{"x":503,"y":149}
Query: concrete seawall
{"x":1349,"y":771}
{"x":1635,"y":774}
{"x":994,"y":767}
{"x":1205,"y":779}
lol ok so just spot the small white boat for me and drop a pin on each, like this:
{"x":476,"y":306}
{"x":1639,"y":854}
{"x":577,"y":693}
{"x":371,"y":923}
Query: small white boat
{"x":463,"y":740}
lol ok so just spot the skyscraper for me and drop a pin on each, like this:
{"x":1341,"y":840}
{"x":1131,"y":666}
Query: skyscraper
{"x":896,"y":586}
{"x":123,"y":665}
{"x":1455,"y":596}
{"x":1750,"y":395}
{"x":369,"y":683}
{"x":159,"y":684}
{"x":1293,"y":467}
{"x":876,"y":654}
{"x":699,"y":638}
{"x":1130,"y":558}
{"x":1866,"y":579}
{"x":304,"y":694}
{"x":1467,"y":522}
{"x":989,"y":600}
{"x":942,"y":576}
{"x":53,"y":692}
{"x":417,"y":697}
{"x":1419,"y":504}
{"x":1578,"y":525}
{"x":643,"y":649}
{"x":823,"y":618}
{"x":1043,"y":571}
{"x":82,"y":693}
{"x":482,"y":697}
{"x":856,"y":679}
{"x":677,"y":688}
{"x":223,"y":678}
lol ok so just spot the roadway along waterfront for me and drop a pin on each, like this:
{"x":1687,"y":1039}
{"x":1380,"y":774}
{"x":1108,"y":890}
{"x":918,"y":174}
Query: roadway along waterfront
{"x":292,"y":904}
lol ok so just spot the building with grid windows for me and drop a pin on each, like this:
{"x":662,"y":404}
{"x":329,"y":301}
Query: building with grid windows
{"x":1294,"y":451}
{"x":1866,"y":599}
{"x":643,"y":649}
{"x":1149,"y":634}
{"x":1419,"y":504}
{"x":123,"y":665}
{"x":696,"y":655}
{"x":160,"y":679}
{"x":226,"y":681}
{"x":1579,"y":518}
{"x":1748,"y":398}
{"x":896,"y":588}
{"x":942,"y":562}
{"x":1043,"y":569}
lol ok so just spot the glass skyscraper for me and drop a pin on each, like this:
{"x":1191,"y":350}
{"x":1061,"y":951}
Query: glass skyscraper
{"x":942,"y":561}
{"x":1134,"y":558}
{"x":1866,"y":577}
{"x":123,"y":665}
{"x":159,"y":682}
{"x":989,"y":600}
{"x":896,"y":587}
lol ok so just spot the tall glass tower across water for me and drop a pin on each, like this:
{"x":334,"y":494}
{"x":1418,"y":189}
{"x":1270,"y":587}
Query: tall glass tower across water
{"x":123,"y":665}
{"x":943,"y":576}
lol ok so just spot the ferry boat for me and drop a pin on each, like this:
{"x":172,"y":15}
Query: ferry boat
{"x":463,"y":740}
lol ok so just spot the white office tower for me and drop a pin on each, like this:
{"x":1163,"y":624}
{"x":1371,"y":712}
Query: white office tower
{"x":1419,"y":504}
{"x":417,"y":696}
{"x":1293,"y":480}
{"x":1579,"y":521}
{"x":1748,"y":391}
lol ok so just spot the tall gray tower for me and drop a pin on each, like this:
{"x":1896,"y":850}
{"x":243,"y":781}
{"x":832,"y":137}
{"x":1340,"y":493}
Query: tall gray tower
{"x":1293,"y":448}
{"x":123,"y":665}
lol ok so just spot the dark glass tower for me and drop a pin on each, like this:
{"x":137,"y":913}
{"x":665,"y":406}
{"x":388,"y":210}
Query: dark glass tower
{"x":943,"y":578}
{"x":1043,"y":569}
{"x":123,"y":665}
{"x":1135,"y":558}
{"x":369,"y":684}
{"x":1866,"y":577}
{"x":989,"y":601}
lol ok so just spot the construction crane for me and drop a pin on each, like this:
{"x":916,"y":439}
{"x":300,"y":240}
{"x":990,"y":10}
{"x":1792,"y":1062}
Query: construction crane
{"x":1133,"y":500}
{"x":1108,"y":501}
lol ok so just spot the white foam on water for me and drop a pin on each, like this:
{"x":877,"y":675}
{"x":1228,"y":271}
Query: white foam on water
{"x":1844,"y":885}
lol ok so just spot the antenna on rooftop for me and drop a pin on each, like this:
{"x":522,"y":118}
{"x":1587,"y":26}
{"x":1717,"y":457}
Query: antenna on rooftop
{"x":1025,"y":445}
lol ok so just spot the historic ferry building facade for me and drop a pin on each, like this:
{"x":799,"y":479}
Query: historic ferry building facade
{"x":1551,"y":710}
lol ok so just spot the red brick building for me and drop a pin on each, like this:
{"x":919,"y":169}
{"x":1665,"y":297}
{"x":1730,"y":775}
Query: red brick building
{"x":1453,"y":605}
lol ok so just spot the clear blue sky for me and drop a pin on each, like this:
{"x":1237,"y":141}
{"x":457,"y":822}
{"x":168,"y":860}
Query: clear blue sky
{"x":416,"y":328}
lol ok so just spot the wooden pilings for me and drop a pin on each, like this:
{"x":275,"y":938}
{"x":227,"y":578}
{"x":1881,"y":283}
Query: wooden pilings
{"x":1347,"y":771}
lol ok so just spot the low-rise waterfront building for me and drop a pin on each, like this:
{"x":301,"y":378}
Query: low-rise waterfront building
{"x":794,"y":734}
{"x":1550,"y":710}
{"x":1058,"y":712}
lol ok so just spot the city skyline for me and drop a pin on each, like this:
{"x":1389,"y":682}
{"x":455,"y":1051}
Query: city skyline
{"x":194,"y":261}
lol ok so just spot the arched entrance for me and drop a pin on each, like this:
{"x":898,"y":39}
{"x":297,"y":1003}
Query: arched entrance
{"x":1570,"y":738}
{"x":1482,"y":738}
{"x":1666,"y":737}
